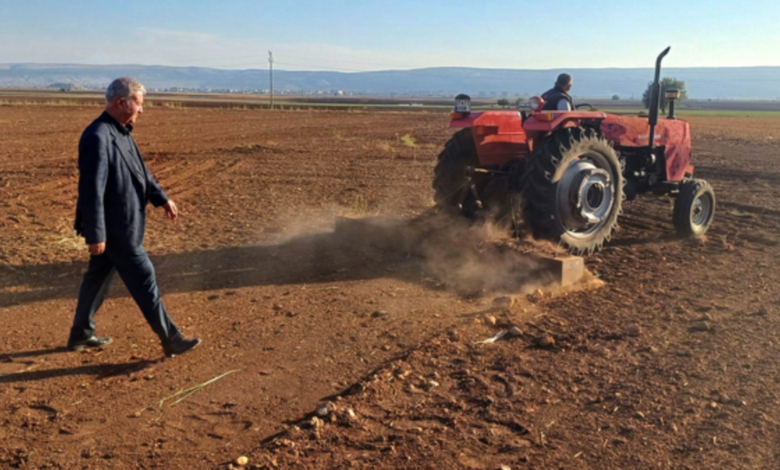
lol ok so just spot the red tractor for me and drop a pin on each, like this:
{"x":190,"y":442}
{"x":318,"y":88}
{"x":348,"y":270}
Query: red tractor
{"x":567,"y":173}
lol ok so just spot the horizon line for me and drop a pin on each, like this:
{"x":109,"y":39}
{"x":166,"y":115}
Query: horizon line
{"x":381,"y":70}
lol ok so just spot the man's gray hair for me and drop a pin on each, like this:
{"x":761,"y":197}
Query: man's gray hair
{"x":563,"y":79}
{"x":123,"y":87}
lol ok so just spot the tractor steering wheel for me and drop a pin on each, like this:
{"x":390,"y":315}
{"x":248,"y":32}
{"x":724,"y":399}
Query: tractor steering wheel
{"x":590,"y":106}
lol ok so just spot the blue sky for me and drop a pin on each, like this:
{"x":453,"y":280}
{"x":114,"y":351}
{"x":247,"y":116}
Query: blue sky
{"x":400,"y":34}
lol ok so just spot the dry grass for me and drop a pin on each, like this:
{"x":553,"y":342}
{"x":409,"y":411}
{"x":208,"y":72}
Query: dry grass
{"x":359,"y":204}
{"x":384,"y":146}
{"x":409,"y":140}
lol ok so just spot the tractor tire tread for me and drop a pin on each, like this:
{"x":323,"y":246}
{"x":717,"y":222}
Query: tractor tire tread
{"x":539,"y":187}
{"x":689,"y":191}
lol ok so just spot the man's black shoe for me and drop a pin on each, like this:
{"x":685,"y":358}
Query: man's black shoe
{"x":180,"y":346}
{"x":91,"y":342}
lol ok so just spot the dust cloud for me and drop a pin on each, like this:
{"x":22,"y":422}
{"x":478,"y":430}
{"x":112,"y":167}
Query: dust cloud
{"x":469,"y":258}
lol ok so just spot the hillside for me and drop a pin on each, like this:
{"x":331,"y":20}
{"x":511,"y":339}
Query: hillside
{"x":753,"y":83}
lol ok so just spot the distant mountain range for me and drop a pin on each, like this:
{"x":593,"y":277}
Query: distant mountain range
{"x":745,"y":83}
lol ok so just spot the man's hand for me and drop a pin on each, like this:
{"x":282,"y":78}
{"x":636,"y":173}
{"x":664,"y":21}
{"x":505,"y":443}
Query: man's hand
{"x":97,"y":248}
{"x":171,"y":211}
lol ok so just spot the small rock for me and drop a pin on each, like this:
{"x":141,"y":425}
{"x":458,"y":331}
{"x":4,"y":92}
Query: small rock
{"x":536,"y":296}
{"x":705,"y":317}
{"x":379,"y":313}
{"x":639,"y":415}
{"x":504,"y":467}
{"x":699,"y":326}
{"x":633,"y":330}
{"x":503,"y":302}
{"x":713,"y":405}
{"x":433,"y":383}
{"x":241,"y":461}
{"x":212,"y":297}
{"x":385,"y":348}
{"x":490,"y":319}
{"x":277,"y":307}
{"x":546,"y":341}
{"x":628,"y":429}
{"x":315,"y":422}
{"x":513,"y":332}
{"x":762,"y":312}
{"x":325,"y":409}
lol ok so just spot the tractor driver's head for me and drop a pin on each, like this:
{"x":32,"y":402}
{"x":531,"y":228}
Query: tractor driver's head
{"x":564,"y":82}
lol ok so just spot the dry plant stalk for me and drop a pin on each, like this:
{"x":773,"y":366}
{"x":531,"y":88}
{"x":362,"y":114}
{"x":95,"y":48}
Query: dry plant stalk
{"x":184,"y":393}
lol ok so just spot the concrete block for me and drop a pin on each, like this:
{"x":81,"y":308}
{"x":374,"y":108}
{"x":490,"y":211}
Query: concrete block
{"x":567,"y":270}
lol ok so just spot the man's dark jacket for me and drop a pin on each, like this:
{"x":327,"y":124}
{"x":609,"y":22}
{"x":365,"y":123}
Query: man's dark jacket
{"x":114,"y":186}
{"x":555,"y":95}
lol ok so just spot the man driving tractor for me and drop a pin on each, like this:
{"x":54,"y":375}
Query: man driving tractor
{"x":558,"y":97}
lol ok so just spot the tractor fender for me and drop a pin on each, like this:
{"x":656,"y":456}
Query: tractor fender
{"x":551,"y":121}
{"x":499,"y":135}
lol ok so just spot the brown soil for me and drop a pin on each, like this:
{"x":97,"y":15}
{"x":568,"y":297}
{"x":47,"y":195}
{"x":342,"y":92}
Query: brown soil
{"x":625,"y":376}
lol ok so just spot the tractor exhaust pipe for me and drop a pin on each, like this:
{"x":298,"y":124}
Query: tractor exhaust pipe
{"x":655,"y":96}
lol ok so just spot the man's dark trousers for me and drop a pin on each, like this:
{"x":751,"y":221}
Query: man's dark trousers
{"x":137,"y":272}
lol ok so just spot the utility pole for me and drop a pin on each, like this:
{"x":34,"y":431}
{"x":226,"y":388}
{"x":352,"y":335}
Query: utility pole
{"x":271,"y":72}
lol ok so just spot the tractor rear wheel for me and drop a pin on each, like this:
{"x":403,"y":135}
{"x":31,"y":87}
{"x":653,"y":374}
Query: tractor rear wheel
{"x":449,"y":175}
{"x":573,"y":186}
{"x":694,"y":208}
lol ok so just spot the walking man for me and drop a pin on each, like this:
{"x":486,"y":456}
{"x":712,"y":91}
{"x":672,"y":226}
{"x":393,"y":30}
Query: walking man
{"x":114,"y":188}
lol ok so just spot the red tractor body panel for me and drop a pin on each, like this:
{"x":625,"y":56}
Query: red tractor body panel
{"x":502,"y":136}
{"x":548,"y":121}
{"x":674,"y":135}
{"x":498,"y":135}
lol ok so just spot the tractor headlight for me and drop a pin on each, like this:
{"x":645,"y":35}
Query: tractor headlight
{"x":536,"y":103}
{"x":672,"y":93}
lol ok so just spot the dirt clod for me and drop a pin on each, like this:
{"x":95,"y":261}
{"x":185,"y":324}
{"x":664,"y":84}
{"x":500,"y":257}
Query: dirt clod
{"x":546,"y":341}
{"x":503,"y":302}
{"x":700,"y":326}
{"x":633,"y":330}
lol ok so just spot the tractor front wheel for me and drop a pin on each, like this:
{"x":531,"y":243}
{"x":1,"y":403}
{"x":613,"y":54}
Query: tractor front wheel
{"x":694,"y":208}
{"x":574,"y":189}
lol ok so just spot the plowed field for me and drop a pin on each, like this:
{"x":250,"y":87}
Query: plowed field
{"x":672,"y":364}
